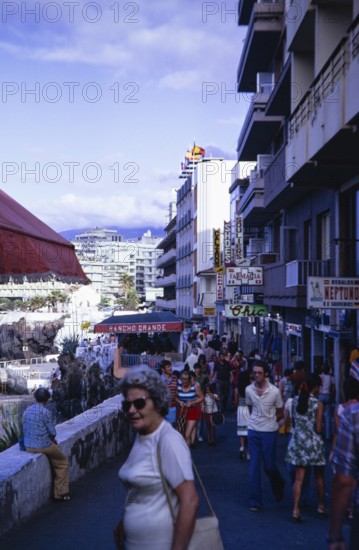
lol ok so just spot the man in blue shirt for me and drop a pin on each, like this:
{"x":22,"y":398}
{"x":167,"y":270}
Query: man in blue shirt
{"x":39,"y":437}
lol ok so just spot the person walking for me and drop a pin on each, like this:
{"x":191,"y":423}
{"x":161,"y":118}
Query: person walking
{"x":244,"y":380}
{"x":306,"y":447}
{"x":171,"y":382}
{"x":147,"y":521}
{"x":40,"y":437}
{"x":345,"y":462}
{"x":189,"y":399}
{"x":265,"y":407}
{"x":222,"y":375}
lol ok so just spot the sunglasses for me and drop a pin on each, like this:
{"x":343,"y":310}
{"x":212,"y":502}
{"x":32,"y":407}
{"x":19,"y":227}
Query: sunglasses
{"x":139,"y":404}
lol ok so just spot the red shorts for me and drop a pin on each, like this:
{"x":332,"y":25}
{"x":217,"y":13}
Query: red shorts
{"x":194,"y":413}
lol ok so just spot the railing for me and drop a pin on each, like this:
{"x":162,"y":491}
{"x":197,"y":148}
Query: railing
{"x":298,"y":271}
{"x":28,"y":374}
{"x":166,"y":280}
{"x":166,"y":304}
{"x":166,"y":257}
{"x":27,"y":362}
{"x":323,"y":87}
{"x":206,"y":299}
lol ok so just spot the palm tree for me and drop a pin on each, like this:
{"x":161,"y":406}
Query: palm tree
{"x":129,"y":302}
{"x":37,"y":302}
{"x":126,"y":284}
{"x":55,"y":297}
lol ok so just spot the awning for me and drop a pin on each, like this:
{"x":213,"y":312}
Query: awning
{"x":159,"y":321}
{"x":31,"y":250}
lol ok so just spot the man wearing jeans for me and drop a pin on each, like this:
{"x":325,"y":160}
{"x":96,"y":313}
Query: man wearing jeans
{"x":265,"y":406}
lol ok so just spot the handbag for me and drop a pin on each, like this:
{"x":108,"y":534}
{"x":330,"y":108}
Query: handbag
{"x":206,"y":535}
{"x":182,"y":421}
{"x":217,"y":418}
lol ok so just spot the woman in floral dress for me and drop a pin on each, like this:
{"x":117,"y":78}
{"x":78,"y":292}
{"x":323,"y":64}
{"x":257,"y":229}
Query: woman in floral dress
{"x":306,"y":447}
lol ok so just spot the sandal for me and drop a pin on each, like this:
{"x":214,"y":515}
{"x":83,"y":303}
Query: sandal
{"x":297,"y":518}
{"x":322,"y":512}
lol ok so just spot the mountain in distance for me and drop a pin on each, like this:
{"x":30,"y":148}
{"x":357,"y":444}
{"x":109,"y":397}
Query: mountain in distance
{"x":128,"y":233}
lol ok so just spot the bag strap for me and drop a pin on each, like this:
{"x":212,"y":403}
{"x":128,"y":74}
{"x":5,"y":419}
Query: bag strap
{"x":167,"y":490}
{"x":165,"y":484}
{"x":210,"y":507}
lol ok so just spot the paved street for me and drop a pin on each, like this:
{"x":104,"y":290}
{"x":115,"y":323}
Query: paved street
{"x":86,"y":522}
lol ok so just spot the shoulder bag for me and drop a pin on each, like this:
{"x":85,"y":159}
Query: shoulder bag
{"x":217,"y":418}
{"x":206,"y":535}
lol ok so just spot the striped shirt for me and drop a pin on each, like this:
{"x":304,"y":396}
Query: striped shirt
{"x":186,"y":396}
{"x":346,"y":452}
{"x":171,"y":384}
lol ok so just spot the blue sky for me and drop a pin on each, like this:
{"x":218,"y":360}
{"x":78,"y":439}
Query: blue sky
{"x":120,"y":91}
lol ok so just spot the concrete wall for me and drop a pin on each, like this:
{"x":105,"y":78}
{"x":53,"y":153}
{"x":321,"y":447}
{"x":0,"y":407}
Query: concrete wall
{"x":88,"y":440}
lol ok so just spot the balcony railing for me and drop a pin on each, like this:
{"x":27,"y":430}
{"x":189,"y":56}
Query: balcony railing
{"x":298,"y":271}
{"x":166,"y":258}
{"x":167,"y":280}
{"x":166,"y":304}
{"x":324,"y":87}
{"x":206,"y":299}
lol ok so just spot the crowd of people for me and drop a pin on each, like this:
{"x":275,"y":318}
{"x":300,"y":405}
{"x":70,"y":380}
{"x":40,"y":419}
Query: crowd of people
{"x":172,"y":411}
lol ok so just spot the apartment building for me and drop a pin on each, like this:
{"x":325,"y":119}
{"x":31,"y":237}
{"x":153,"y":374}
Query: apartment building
{"x":167,"y":263}
{"x":300,"y":204}
{"x":105,"y":256}
{"x":202,"y":206}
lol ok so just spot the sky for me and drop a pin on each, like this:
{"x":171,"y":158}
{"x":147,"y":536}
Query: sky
{"x":101,"y":100}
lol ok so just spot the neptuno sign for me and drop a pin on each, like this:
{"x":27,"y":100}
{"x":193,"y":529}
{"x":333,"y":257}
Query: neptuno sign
{"x":333,"y":292}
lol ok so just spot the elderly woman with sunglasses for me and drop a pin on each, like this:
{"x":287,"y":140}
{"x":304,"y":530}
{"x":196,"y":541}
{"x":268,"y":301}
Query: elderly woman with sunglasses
{"x":148,"y":522}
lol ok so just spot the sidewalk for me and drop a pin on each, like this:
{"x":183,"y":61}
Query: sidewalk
{"x":86,"y":522}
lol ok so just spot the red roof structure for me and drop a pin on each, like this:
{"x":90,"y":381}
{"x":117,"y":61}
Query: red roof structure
{"x":31,"y":250}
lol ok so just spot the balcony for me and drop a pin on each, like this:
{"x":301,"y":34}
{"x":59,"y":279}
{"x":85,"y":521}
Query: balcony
{"x":323,"y":140}
{"x":300,"y":19}
{"x":279,"y":101}
{"x":204,"y":300}
{"x":166,"y":280}
{"x":170,"y":237}
{"x":278,"y":192}
{"x":163,"y":304}
{"x":264,"y":30}
{"x":251,"y":203}
{"x":167,"y":258}
{"x":298,"y":271}
{"x":258,"y":129}
{"x":275,"y":291}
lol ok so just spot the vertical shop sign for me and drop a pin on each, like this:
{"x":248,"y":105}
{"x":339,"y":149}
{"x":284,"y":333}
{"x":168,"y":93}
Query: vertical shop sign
{"x":227,"y":251}
{"x":238,"y":241}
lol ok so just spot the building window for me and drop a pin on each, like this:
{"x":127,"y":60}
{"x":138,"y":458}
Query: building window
{"x":307,"y":241}
{"x":324,"y":236}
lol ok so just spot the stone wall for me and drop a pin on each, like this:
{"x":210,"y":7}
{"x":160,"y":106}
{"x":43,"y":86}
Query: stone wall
{"x":88,"y":440}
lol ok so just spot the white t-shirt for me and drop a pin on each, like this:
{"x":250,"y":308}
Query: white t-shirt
{"x":263,"y":415}
{"x":148,"y":521}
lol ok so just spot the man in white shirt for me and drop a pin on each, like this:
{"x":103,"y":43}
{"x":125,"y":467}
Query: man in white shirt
{"x":265,"y":406}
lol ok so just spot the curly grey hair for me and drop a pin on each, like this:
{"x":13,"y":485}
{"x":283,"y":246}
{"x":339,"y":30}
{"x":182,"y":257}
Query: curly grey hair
{"x":149,"y":380}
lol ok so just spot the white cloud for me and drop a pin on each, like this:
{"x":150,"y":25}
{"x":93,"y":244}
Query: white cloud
{"x":145,"y":207}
